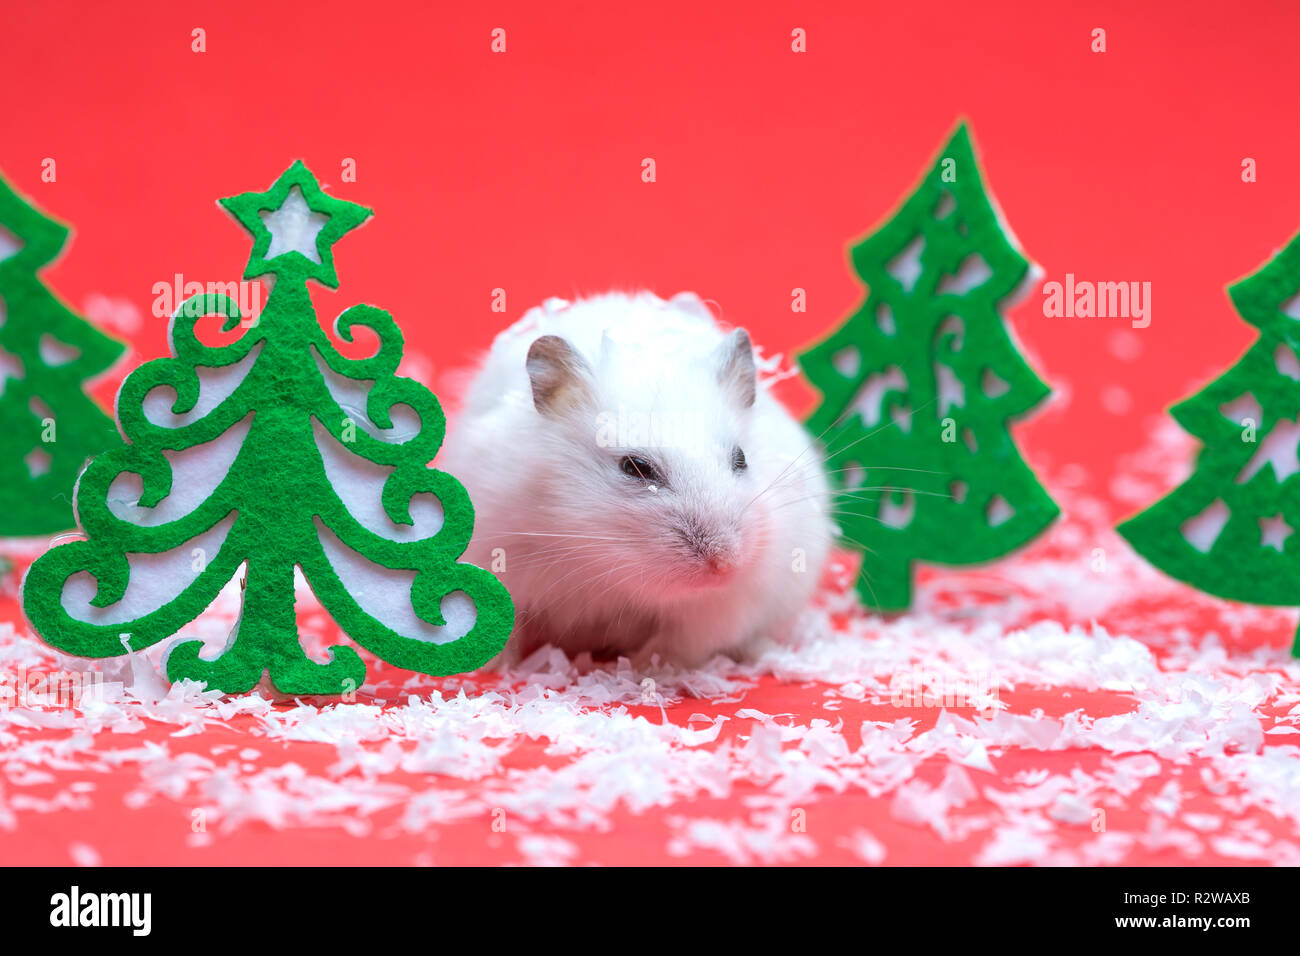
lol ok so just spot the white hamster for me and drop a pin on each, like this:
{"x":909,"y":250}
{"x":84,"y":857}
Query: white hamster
{"x":635,"y":486}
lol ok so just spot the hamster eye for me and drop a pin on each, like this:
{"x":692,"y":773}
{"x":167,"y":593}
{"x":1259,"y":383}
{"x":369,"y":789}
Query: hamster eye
{"x":634,"y":466}
{"x":738,"y":462}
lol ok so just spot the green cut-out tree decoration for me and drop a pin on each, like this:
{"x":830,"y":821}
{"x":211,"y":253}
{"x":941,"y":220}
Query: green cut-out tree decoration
{"x":275,"y":506}
{"x":1229,"y":529}
{"x":919,"y":385}
{"x":49,"y":426}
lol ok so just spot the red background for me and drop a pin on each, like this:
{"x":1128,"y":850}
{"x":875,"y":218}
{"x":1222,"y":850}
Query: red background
{"x":522,"y":170}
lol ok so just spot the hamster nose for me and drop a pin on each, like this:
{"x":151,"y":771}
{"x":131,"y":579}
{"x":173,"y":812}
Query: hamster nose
{"x":721,"y":564}
{"x":717,"y":552}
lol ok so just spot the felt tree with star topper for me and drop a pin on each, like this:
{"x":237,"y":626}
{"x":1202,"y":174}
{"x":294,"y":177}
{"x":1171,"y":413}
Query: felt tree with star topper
{"x":919,"y":385}
{"x":49,"y":426}
{"x":1229,"y":529}
{"x":275,"y":507}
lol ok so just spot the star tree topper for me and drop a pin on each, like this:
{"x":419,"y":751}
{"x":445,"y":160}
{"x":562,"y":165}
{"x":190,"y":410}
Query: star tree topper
{"x":296,"y":219}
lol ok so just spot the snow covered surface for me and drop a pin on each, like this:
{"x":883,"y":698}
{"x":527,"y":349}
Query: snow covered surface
{"x":1068,"y":706}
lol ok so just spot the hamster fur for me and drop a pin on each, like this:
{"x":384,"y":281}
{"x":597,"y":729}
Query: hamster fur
{"x":635,"y":486}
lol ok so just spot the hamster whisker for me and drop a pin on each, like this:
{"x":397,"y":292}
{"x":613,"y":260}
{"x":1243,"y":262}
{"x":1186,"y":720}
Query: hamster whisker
{"x":852,"y":492}
{"x":780,"y":481}
{"x":547,"y":556}
{"x":532,"y":558}
{"x":594,"y":559}
{"x":864,"y":468}
{"x":601,"y":579}
{"x":854,"y":496}
{"x":811,"y":445}
{"x":916,"y":491}
{"x":568,"y":597}
{"x":786,"y":475}
{"x":559,"y":549}
{"x":634,"y":597}
{"x":813,"y":467}
{"x":587,"y":536}
{"x":862,"y":567}
{"x":543,"y":547}
{"x":835,"y":511}
{"x":844,"y":513}
{"x":860,"y":544}
{"x":862,"y":438}
{"x":782,"y":475}
{"x":875,"y":431}
{"x":834,"y":491}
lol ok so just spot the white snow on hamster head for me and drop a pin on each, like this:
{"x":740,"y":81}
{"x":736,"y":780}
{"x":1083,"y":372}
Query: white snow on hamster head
{"x":643,"y":414}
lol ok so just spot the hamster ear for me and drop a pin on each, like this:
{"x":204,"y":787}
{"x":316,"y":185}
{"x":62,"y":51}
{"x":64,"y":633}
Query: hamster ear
{"x":610,"y":350}
{"x":560,"y":376}
{"x":736,"y":372}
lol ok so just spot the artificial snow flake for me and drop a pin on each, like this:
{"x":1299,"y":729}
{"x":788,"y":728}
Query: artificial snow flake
{"x":1149,"y":735}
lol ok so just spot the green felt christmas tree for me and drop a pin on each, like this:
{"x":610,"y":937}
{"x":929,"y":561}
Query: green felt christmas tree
{"x":276,"y":507}
{"x":1229,"y":529}
{"x":919,"y":385}
{"x":48,"y":425}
